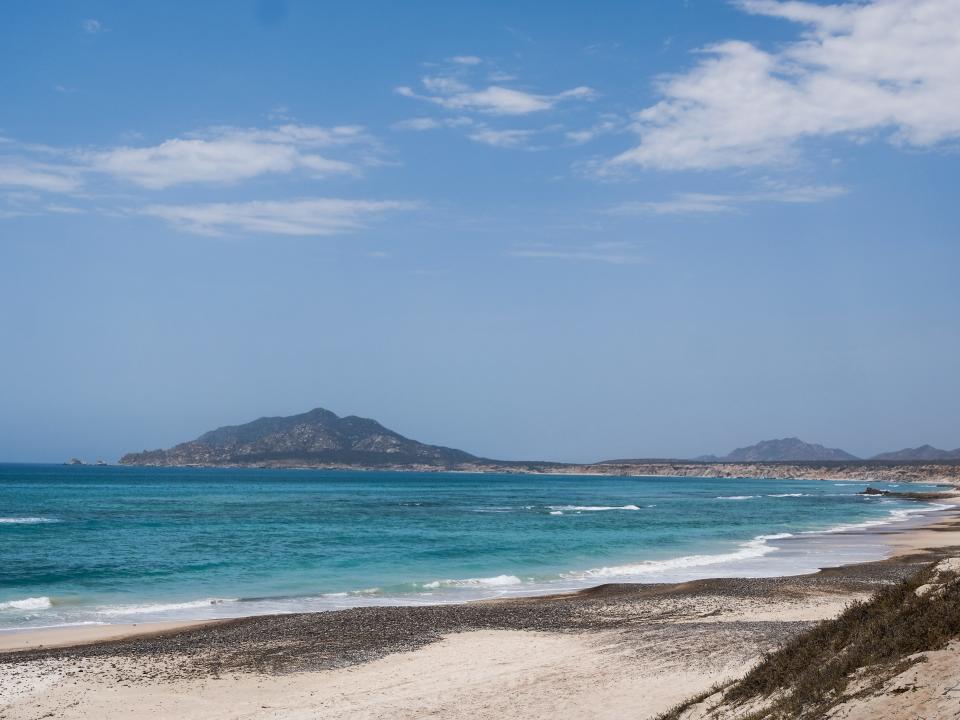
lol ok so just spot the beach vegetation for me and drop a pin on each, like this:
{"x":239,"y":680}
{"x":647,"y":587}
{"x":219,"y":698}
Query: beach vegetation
{"x":851,"y":655}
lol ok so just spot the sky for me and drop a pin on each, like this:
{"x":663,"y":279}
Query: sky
{"x":575,"y":232}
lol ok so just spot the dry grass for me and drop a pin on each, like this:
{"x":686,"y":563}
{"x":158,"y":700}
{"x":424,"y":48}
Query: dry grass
{"x":810,"y":673}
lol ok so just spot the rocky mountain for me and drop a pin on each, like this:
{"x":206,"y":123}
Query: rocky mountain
{"x":315,"y":438}
{"x":924,"y":452}
{"x":783,"y":450}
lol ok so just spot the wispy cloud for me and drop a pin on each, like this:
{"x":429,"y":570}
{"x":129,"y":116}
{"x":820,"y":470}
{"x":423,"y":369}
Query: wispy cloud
{"x":502,"y":138}
{"x":458,"y":86}
{"x":221,"y":156}
{"x":606,"y":125}
{"x":707,"y":203}
{"x":429,"y":123}
{"x":305,"y":216}
{"x":611,"y":253}
{"x":452,"y":94}
{"x":25,"y":173}
{"x":227,"y":155}
{"x":92,"y":26}
{"x":886,"y":66}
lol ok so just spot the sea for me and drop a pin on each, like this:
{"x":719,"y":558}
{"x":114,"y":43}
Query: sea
{"x":82,"y":545}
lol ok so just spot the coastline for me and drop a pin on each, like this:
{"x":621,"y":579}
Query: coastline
{"x":777,"y":553}
{"x":802,"y":553}
{"x":621,"y":646}
{"x":946,"y":472}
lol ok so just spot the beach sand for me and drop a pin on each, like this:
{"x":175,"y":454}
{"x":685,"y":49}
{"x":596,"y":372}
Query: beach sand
{"x":610,"y":652}
{"x":67,"y":636}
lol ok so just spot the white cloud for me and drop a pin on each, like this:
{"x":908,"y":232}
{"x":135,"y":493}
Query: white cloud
{"x":887,"y":66}
{"x":227,"y":155}
{"x":608,"y":124}
{"x":502,"y":138}
{"x":452,"y":94}
{"x":310,"y":216}
{"x":466,"y":60}
{"x":92,"y":26}
{"x":427,"y":123}
{"x":705,"y":203}
{"x":38,"y":176}
{"x":613,"y":253}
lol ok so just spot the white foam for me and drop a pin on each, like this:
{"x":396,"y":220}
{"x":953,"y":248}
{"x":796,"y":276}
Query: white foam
{"x":894,"y":516}
{"x":26,"y":520}
{"x":592,"y":508}
{"x":755,"y":548}
{"x":164,"y":607}
{"x":20,"y":628}
{"x":735,"y":497}
{"x":496,"y":581}
{"x":556,"y":512}
{"x":30,"y":603}
{"x":790,"y":495}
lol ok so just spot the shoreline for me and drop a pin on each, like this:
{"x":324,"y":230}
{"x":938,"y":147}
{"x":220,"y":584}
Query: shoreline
{"x":606,"y":652}
{"x":917,"y":533}
{"x":61,"y":636}
{"x":946,"y":472}
{"x":895,"y":531}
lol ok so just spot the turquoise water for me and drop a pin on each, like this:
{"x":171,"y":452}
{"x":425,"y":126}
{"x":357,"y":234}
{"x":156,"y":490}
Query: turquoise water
{"x":112,"y":544}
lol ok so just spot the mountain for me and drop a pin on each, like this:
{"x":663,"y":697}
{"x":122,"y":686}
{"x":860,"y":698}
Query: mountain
{"x":318,"y":437}
{"x":787,"y":449}
{"x":924,"y":452}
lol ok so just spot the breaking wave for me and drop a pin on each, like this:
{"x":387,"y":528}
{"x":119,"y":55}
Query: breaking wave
{"x":496,"y":581}
{"x":27,"y":520}
{"x":758,"y":547}
{"x":165,"y":607}
{"x":591,"y":508}
{"x":31,"y":603}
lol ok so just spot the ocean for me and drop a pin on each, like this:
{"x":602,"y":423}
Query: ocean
{"x":90,"y":545}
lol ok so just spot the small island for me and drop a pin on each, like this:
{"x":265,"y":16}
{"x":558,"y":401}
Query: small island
{"x":322,"y":439}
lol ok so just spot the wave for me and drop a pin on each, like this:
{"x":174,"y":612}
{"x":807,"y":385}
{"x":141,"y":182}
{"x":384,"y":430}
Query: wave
{"x":348,"y":593}
{"x":27,"y":520}
{"x":30,"y":603}
{"x":735,"y":497}
{"x":757,"y":547}
{"x":894,"y":516}
{"x":790,"y":495}
{"x":164,"y":607}
{"x":496,"y":581}
{"x":592,"y":508}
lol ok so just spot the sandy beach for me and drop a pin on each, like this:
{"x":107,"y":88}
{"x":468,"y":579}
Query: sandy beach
{"x":609,"y":652}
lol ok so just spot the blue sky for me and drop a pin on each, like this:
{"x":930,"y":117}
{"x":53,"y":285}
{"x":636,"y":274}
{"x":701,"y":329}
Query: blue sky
{"x":621,"y":229}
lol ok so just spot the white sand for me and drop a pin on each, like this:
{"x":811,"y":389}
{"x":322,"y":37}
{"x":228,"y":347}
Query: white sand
{"x":79,"y":635}
{"x":485,"y":674}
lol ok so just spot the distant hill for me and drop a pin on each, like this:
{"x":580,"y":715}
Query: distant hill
{"x":924,"y":452}
{"x":318,"y":437}
{"x":783,"y":450}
